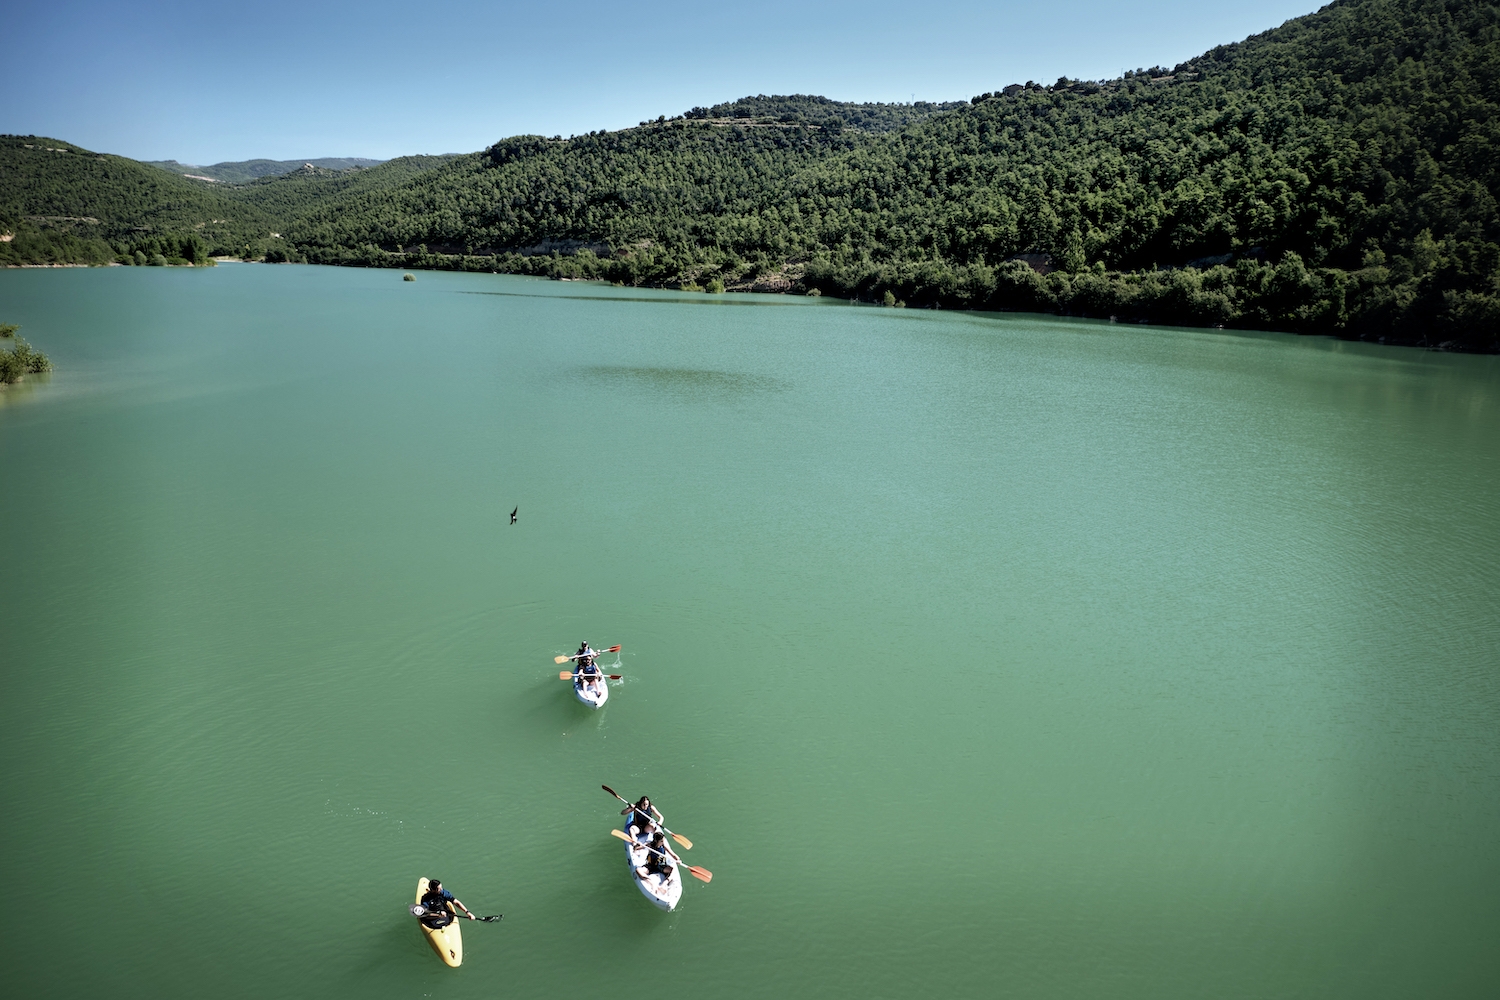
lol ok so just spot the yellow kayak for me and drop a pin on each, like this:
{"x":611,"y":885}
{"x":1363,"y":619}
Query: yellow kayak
{"x":446,"y":941}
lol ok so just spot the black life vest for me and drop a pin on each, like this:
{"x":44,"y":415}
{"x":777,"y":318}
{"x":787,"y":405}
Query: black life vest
{"x":657,"y":859}
{"x":438,"y":913}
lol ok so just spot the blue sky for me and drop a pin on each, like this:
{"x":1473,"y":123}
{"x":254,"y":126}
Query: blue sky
{"x":206,"y":82}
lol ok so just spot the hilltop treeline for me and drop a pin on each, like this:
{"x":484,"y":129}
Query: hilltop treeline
{"x":807,"y":109}
{"x":1332,"y":175}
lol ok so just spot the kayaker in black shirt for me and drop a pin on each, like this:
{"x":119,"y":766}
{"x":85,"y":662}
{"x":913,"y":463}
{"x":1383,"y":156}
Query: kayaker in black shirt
{"x":641,"y":819}
{"x":439,"y":903}
{"x":659,"y":858}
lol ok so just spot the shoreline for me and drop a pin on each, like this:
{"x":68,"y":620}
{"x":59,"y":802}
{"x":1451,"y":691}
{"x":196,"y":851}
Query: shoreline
{"x":786,"y":284}
{"x":113,"y":263}
{"x":791,"y":287}
{"x":18,"y":267}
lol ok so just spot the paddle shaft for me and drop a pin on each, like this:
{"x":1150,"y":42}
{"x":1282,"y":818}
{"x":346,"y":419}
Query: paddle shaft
{"x":469,"y":913}
{"x":565,"y":659}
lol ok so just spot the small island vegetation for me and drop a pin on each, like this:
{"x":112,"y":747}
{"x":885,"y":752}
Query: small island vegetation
{"x":20,"y":359}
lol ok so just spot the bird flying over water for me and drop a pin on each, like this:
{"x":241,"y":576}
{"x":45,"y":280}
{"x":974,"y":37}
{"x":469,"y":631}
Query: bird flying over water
{"x":513,"y":514}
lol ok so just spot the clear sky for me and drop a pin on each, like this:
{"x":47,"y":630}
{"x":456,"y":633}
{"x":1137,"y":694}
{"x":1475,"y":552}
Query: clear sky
{"x":205,"y":82}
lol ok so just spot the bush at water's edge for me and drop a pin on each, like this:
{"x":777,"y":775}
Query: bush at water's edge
{"x":20,"y":360}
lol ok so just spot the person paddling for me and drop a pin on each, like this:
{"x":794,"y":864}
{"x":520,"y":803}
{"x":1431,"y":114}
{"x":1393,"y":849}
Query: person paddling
{"x":642,"y":821}
{"x":587,"y":669}
{"x":659,"y":859}
{"x":439,"y":904}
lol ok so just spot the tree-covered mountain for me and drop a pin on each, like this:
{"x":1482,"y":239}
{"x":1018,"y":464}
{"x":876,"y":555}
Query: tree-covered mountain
{"x":1331,"y":175}
{"x":243,"y":171}
{"x":61,"y":203}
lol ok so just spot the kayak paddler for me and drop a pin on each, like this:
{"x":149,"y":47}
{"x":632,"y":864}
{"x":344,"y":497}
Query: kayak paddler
{"x":659,"y":859}
{"x":592,"y":678}
{"x":439,"y":904}
{"x":642,"y":821}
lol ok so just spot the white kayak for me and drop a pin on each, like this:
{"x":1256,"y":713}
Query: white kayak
{"x":595,"y":695}
{"x":663,"y":892}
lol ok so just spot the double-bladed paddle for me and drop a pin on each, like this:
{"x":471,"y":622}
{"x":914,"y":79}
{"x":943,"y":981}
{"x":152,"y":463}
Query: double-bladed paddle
{"x":701,"y":874}
{"x":567,"y":675}
{"x":565,"y":659}
{"x":418,"y":910}
{"x":660,"y":819}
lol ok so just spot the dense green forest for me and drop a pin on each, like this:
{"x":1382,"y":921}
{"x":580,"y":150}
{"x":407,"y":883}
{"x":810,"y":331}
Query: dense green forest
{"x":64,"y":204}
{"x":61,"y":204}
{"x":807,"y":109}
{"x":1331,"y":175}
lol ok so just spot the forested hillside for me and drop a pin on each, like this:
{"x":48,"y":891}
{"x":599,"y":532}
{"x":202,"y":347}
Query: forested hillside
{"x":62,"y":204}
{"x":1332,"y":175}
{"x":65,"y":204}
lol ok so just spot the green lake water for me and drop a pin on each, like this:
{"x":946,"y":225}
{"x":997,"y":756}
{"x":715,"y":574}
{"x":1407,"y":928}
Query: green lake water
{"x":979,"y":655}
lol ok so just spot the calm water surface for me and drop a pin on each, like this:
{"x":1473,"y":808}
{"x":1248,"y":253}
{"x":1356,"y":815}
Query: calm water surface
{"x":978,"y":655}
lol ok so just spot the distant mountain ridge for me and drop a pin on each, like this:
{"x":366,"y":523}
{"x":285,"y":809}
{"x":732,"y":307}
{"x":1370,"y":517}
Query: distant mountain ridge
{"x":244,"y":171}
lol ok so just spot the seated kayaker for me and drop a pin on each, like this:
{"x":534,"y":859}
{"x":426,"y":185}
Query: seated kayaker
{"x":439,"y":904}
{"x":587,"y":668}
{"x":659,"y":859}
{"x":641,"y":821}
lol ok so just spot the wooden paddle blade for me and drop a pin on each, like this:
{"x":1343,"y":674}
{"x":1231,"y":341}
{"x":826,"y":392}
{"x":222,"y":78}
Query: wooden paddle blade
{"x":683,"y":841}
{"x":560,"y":659}
{"x":617,"y":677}
{"x":622,"y":835}
{"x":614,"y":793}
{"x":613,"y":649}
{"x":701,"y":874}
{"x":565,"y":675}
